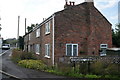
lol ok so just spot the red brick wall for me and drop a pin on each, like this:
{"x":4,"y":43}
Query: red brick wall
{"x":45,"y":39}
{"x":100,"y":31}
{"x":83,"y":25}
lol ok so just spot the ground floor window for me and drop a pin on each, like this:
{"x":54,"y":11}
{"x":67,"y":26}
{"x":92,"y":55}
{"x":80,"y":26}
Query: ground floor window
{"x":47,"y":50}
{"x":37,"y":48}
{"x":72,"y":49}
{"x":103,"y":46}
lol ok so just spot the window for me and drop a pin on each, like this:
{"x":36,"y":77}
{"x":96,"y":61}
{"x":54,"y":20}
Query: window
{"x":47,"y":50}
{"x":28,"y":48}
{"x":103,"y":46}
{"x":29,"y":36}
{"x":38,"y":33}
{"x":72,"y":49}
{"x":37,"y":48}
{"x":47,"y":28}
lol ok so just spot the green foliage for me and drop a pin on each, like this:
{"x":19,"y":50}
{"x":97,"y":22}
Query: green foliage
{"x":83,"y":68}
{"x":30,"y":28}
{"x":104,"y":68}
{"x":18,"y":55}
{"x":21,"y":42}
{"x":92,"y":76}
{"x":32,"y":64}
{"x":116,"y":36}
{"x":27,"y":55}
{"x":98,"y":68}
{"x":112,"y":69}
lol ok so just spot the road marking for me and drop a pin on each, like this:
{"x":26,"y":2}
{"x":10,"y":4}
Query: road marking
{"x":10,"y":75}
{"x":3,"y":53}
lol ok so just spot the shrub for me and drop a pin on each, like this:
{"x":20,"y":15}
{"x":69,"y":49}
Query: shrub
{"x":32,"y":64}
{"x":27,"y":55}
{"x":112,"y":69}
{"x":92,"y":76}
{"x":18,"y":55}
{"x":83,"y":68}
{"x":98,"y":68}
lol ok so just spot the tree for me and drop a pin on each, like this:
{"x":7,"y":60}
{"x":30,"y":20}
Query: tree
{"x":116,"y":36}
{"x":30,"y":28}
{"x":21,"y":42}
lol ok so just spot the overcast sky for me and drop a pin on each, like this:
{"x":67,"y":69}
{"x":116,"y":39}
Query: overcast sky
{"x":36,"y":10}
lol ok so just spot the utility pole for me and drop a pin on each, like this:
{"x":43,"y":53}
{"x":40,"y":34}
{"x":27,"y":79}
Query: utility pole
{"x":18,"y":32}
{"x":25,"y":25}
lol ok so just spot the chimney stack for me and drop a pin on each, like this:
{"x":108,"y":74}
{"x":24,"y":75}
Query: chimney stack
{"x":70,"y":4}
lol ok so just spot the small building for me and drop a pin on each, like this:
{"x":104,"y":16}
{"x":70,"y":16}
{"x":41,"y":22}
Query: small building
{"x":113,"y":52}
{"x":77,"y":30}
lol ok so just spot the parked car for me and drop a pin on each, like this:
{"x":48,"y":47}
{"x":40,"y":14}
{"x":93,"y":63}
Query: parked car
{"x":6,"y":46}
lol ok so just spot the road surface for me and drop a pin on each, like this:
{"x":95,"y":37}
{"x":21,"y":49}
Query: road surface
{"x":11,"y":68}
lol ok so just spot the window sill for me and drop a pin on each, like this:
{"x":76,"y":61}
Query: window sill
{"x":37,"y":53}
{"x":47,"y":33}
{"x":38,"y":37}
{"x":47,"y":56}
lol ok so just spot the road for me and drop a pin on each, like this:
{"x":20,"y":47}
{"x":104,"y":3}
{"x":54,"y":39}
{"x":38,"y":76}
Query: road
{"x":11,"y":68}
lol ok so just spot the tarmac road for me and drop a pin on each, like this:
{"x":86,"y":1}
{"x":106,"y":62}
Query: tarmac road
{"x":11,"y":68}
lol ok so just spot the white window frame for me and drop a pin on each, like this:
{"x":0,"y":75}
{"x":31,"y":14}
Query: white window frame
{"x":37,"y":49}
{"x":38,"y":33}
{"x":47,"y":27}
{"x":72,"y":48}
{"x":47,"y":50}
{"x":103,"y":47}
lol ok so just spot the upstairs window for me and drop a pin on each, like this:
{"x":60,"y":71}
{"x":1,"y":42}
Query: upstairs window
{"x":38,"y":33}
{"x":72,"y":49}
{"x":47,"y":27}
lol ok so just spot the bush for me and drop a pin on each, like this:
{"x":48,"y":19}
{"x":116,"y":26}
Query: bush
{"x":112,"y":69}
{"x":32,"y":64}
{"x":27,"y":55}
{"x":98,"y":68}
{"x":92,"y":76}
{"x":18,"y":55}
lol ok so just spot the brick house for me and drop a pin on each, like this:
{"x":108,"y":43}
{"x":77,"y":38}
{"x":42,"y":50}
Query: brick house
{"x":77,"y":30}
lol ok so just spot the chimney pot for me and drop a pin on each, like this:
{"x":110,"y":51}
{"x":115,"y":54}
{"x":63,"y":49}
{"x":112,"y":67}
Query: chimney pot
{"x":73,"y":3}
{"x":70,"y":3}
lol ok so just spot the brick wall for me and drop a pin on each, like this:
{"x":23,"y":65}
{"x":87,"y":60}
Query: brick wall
{"x":83,"y":25}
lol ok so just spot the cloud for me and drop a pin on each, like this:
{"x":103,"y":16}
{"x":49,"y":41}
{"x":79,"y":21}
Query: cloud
{"x":35,"y":11}
{"x":114,"y":17}
{"x":106,"y":4}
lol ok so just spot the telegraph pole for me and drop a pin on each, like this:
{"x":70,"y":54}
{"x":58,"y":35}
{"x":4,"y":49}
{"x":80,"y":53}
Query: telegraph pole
{"x":18,"y":32}
{"x":25,"y":25}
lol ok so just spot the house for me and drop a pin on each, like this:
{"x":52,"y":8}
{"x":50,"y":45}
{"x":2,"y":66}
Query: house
{"x":77,"y":30}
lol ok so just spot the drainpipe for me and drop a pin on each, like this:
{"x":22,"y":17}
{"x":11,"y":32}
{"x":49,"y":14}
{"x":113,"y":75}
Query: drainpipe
{"x":53,"y":58}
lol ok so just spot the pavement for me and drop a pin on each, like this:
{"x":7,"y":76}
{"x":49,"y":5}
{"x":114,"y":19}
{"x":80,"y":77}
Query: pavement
{"x":11,"y":68}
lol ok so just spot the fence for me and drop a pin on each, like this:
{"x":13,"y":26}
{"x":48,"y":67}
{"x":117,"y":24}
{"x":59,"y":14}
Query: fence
{"x":92,"y":64}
